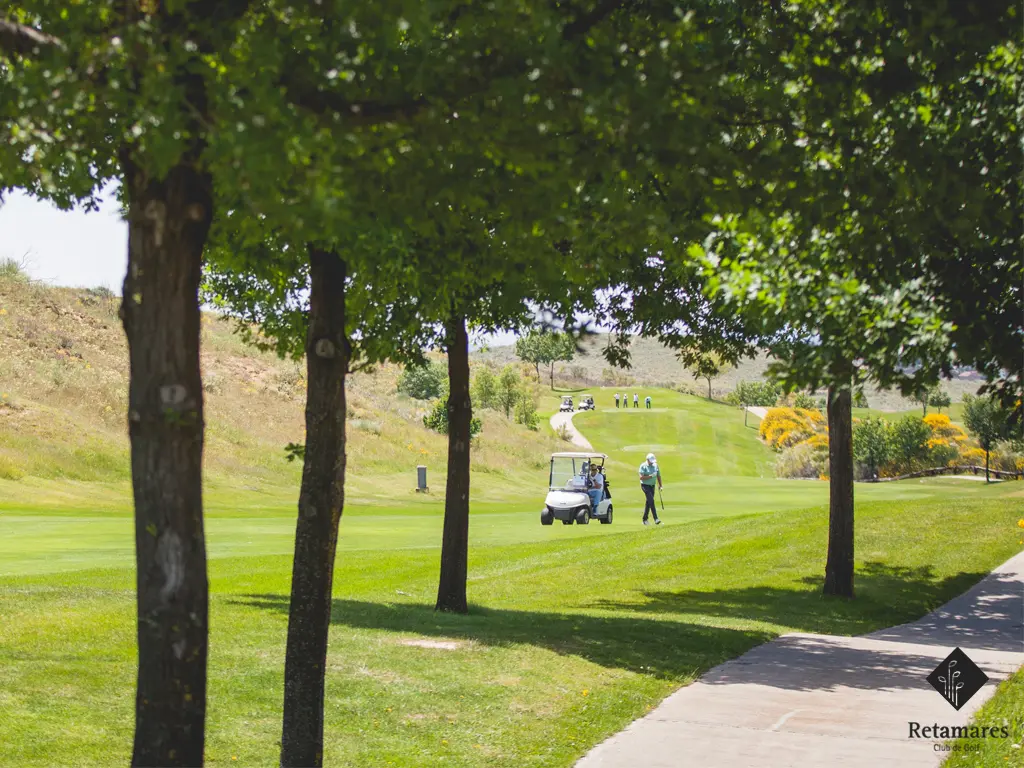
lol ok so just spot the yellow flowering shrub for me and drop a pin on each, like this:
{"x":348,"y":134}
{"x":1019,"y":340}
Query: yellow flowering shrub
{"x":786,"y":427}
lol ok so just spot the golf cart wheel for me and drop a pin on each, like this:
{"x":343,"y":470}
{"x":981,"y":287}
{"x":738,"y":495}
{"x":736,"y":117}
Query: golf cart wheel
{"x":583,"y":517}
{"x":546,"y":518}
{"x":607,"y":519}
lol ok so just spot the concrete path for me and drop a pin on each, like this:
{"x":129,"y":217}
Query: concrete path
{"x":818,"y":700}
{"x":560,"y":419}
{"x":758,"y":410}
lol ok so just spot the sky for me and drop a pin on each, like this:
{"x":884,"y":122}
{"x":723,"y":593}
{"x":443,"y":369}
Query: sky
{"x":83,"y":250}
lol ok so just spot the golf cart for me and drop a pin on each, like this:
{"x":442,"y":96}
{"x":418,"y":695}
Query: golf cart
{"x":586,"y":403}
{"x":566,"y":406}
{"x":567,"y":498}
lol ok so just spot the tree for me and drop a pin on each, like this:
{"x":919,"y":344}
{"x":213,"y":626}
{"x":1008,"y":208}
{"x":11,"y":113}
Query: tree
{"x":872,"y":445}
{"x":909,"y":438}
{"x":423,"y":382}
{"x":96,"y":92}
{"x":485,"y":388}
{"x":707,"y":366}
{"x":532,"y":348}
{"x":940,"y":399}
{"x":860,"y":400}
{"x":989,"y":421}
{"x":526,"y":410}
{"x":928,"y":395}
{"x":508,"y":390}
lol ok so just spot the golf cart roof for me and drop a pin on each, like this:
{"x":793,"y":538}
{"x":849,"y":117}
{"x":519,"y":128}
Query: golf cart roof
{"x":577,"y":455}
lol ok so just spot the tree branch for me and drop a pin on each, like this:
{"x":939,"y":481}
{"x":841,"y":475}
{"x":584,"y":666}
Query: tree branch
{"x":17,"y":39}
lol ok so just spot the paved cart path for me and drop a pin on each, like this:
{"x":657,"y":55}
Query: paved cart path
{"x":819,"y":700}
{"x":565,"y":419}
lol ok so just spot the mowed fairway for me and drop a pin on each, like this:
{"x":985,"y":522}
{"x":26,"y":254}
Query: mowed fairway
{"x":574,"y":631}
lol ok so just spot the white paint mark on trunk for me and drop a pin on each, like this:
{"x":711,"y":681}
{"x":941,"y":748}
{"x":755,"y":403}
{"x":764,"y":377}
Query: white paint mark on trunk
{"x":169,"y":557}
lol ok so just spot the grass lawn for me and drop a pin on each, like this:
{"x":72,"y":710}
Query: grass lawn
{"x":1006,"y":708}
{"x":573,"y":631}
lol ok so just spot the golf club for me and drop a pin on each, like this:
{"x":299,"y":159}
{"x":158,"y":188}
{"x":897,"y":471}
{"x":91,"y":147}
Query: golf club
{"x":662,"y":499}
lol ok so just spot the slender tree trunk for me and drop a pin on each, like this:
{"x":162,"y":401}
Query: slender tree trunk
{"x":451,"y":590}
{"x":320,"y":505}
{"x":552,"y":374}
{"x":168,"y":222}
{"x":709,"y":389}
{"x":839,"y":566}
{"x":536,"y":367}
{"x":987,"y":480}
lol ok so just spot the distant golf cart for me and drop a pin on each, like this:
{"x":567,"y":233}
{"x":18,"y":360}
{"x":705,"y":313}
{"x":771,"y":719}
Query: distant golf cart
{"x":566,"y":406}
{"x":567,"y":498}
{"x":586,"y":403}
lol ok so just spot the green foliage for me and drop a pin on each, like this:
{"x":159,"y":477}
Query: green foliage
{"x":908,"y":441}
{"x":526,"y":411}
{"x":424,"y":382}
{"x":939,"y":398}
{"x":758,"y":393}
{"x":987,"y":420}
{"x":872,"y":445}
{"x":437,"y":419}
{"x":545,"y":347}
{"x":484,"y":389}
{"x":12,"y":271}
{"x":508,"y":390}
{"x":860,"y":400}
{"x":804,"y":401}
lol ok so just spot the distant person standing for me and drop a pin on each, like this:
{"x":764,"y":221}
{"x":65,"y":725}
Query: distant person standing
{"x":636,"y":400}
{"x":616,"y":399}
{"x":647,"y":401}
{"x":649,"y":475}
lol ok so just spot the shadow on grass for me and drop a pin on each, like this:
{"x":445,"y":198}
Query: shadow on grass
{"x":661,"y":648}
{"x":884,"y":596}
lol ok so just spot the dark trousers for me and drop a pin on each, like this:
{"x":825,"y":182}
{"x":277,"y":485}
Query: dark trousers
{"x":636,"y":403}
{"x":616,"y":403}
{"x":649,"y":503}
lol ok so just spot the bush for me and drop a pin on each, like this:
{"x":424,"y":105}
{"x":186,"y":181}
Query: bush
{"x":785,"y":427}
{"x":13,"y":271}
{"x":526,"y":411}
{"x":437,"y":419}
{"x":563,"y":433}
{"x":759,"y":393}
{"x":424,"y":382}
{"x":860,"y":400}
{"x":364,"y":425}
{"x":804,"y":401}
{"x":509,"y":389}
{"x":802,"y":461}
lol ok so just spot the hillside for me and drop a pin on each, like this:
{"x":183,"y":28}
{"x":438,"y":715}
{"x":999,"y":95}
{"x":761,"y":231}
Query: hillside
{"x":63,"y":395}
{"x":654,"y":365}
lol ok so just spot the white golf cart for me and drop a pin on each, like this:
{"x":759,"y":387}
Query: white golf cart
{"x":586,"y":403}
{"x":566,"y":406}
{"x":567,"y":498}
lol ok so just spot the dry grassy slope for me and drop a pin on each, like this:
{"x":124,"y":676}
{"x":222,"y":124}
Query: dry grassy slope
{"x":655,"y":365}
{"x":63,"y":395}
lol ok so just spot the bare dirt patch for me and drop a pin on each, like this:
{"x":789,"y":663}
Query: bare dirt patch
{"x":441,"y":645}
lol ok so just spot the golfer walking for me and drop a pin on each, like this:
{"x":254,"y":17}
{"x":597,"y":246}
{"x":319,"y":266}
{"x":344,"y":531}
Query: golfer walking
{"x":649,"y":475}
{"x":616,"y":399}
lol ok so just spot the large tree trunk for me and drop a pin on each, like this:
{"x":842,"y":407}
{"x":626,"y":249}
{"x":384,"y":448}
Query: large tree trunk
{"x":839,"y":566}
{"x":320,"y":505}
{"x":168,"y":222}
{"x":451,"y":590}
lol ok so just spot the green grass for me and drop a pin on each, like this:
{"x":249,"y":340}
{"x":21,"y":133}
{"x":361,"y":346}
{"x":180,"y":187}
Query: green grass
{"x":1004,"y":709}
{"x":574,"y":631}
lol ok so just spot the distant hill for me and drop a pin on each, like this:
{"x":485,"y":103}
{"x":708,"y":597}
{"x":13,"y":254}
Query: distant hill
{"x":64,"y":390}
{"x":653,"y":364}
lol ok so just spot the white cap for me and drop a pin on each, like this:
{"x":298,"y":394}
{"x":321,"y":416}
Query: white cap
{"x":650,"y":457}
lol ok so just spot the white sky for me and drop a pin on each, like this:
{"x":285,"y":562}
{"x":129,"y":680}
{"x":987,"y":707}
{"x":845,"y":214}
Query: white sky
{"x":67,"y":248}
